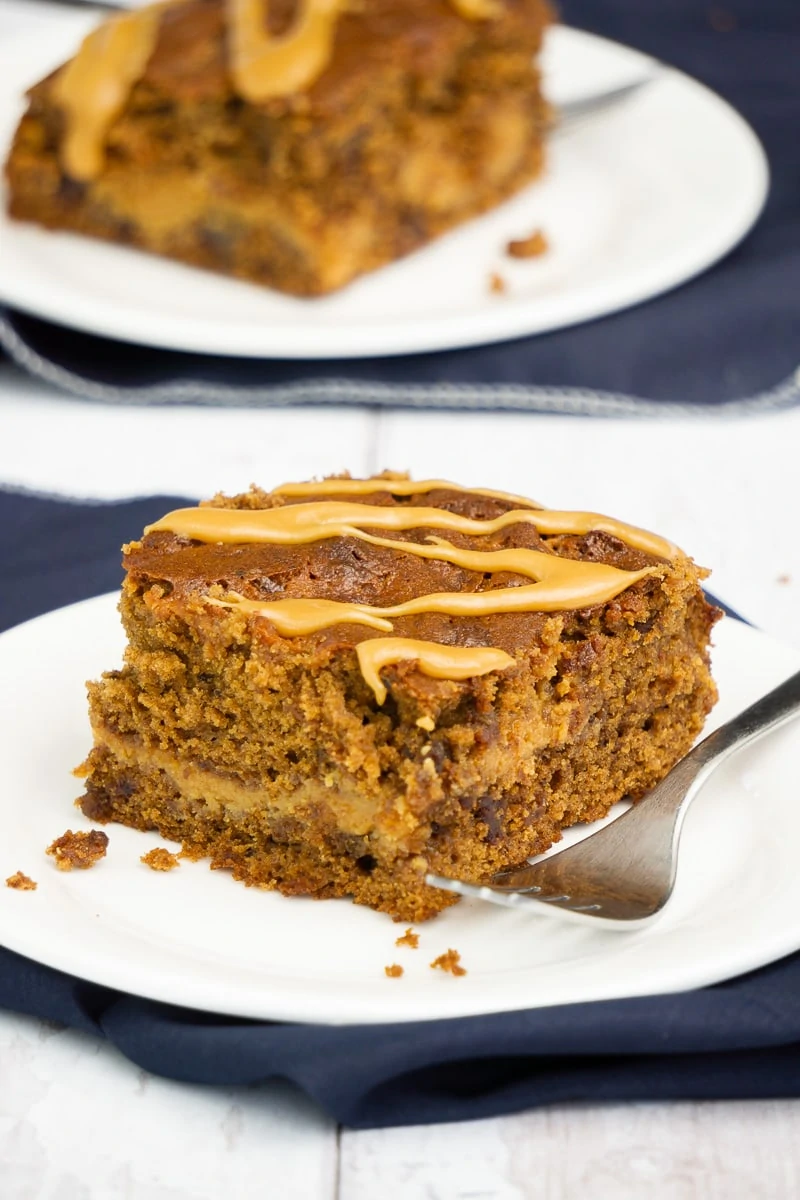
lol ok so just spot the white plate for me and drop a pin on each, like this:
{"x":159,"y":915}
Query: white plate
{"x":195,"y":937}
{"x":634,"y":203}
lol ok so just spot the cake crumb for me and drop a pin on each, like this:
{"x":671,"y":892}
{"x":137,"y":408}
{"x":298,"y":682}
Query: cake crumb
{"x":394,"y":971}
{"x":497,"y":286}
{"x":784,"y":579}
{"x":449,"y":961}
{"x":160,"y":859}
{"x":21,"y":882}
{"x":426,"y":723}
{"x":529,"y":247}
{"x":81,"y":850}
{"x":409,"y":938}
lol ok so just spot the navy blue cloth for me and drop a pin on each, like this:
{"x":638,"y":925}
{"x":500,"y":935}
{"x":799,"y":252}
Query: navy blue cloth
{"x":738,"y":1039}
{"x":732,"y":333}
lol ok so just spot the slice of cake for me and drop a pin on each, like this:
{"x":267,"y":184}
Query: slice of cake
{"x":295,"y":143}
{"x":335,"y":687}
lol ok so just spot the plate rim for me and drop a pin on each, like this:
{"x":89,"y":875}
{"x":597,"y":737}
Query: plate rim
{"x":483,"y":327}
{"x":179,"y":986}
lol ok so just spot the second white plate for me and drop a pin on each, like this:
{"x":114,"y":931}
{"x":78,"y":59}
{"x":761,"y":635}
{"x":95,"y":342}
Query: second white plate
{"x":194,"y":937}
{"x":633,"y":203}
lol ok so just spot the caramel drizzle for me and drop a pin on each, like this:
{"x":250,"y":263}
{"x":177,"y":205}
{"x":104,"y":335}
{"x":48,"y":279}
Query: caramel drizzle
{"x":93,"y":88}
{"x":440,"y":662}
{"x":558,"y":583}
{"x":298,"y":524}
{"x":294,"y":618}
{"x":561,"y":583}
{"x":265,"y":66}
{"x":395,"y":487}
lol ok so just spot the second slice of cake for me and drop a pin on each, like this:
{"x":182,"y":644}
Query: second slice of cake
{"x":294,"y":143}
{"x":333,"y":688}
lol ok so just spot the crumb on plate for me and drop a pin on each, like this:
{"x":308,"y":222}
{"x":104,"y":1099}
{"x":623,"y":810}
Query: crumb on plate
{"x":784,"y":579}
{"x":497,"y":285}
{"x":449,"y":961}
{"x":21,"y":882}
{"x":394,"y":971}
{"x":80,"y":849}
{"x":409,"y":938}
{"x":160,"y":859}
{"x":529,"y":247}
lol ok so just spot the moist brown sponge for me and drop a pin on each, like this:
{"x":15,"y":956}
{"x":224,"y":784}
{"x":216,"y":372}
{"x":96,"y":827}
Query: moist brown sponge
{"x":271,"y":757}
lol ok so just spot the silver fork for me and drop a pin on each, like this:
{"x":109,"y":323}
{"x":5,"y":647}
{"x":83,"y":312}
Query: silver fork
{"x":624,"y":874}
{"x":573,"y":114}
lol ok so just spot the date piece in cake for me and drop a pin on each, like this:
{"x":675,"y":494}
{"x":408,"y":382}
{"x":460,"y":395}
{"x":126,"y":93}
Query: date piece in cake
{"x":333,"y":688}
{"x":294,"y":143}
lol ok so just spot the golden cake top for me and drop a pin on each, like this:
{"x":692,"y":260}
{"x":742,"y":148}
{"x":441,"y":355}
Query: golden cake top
{"x":557,"y":583}
{"x":94,"y":86}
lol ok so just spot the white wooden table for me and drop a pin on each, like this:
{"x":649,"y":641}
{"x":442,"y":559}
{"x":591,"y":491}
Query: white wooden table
{"x":79,"y":1122}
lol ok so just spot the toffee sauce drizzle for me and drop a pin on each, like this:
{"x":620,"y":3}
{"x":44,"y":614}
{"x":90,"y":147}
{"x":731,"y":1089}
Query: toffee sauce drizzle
{"x":93,"y":88}
{"x":557,"y":583}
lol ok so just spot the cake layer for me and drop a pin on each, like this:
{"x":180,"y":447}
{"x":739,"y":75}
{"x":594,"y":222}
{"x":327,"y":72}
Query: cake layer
{"x":463,"y":800}
{"x":258,"y":851}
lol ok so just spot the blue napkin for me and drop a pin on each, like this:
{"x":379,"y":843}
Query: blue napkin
{"x":740,"y":1039}
{"x":731,"y":335}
